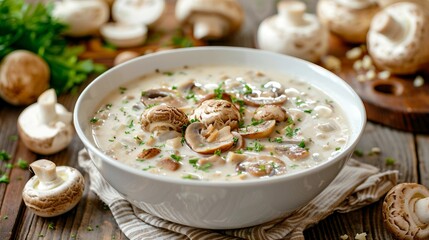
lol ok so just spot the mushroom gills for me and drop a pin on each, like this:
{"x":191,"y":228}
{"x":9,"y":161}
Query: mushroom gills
{"x":198,"y":143}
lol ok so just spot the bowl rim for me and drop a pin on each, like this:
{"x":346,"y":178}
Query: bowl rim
{"x":248,"y":182}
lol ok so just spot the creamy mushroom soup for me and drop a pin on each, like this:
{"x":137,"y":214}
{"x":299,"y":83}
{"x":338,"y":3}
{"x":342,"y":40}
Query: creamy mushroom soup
{"x":219,"y":123}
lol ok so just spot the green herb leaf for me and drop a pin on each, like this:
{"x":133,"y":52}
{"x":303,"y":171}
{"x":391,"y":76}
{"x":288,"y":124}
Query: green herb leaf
{"x":4,"y":156}
{"x":4,"y":178}
{"x":390,"y":161}
{"x":176,"y":158}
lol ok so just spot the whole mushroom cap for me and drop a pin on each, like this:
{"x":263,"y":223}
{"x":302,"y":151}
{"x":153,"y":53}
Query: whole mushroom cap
{"x":398,"y":37}
{"x":349,"y":19}
{"x":163,"y":118}
{"x":53,"y":190}
{"x":217,"y":112}
{"x":270,"y":112}
{"x":23,"y":77}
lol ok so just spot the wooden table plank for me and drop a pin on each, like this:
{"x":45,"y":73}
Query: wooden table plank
{"x":422,"y":143}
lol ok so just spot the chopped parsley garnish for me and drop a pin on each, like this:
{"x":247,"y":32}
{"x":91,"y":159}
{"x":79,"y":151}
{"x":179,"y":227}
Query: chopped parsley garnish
{"x":176,"y":158}
{"x":239,"y":151}
{"x":247,"y":90}
{"x":217,"y":152}
{"x":240,"y":103}
{"x":205,"y":167}
{"x":143,"y":94}
{"x":94,"y":120}
{"x":358,"y":153}
{"x":302,"y":144}
{"x":168,"y":73}
{"x":131,"y":124}
{"x":147,"y":168}
{"x":257,"y":146}
{"x":89,"y":229}
{"x":262,"y":167}
{"x":235,"y":140}
{"x":390,"y":161}
{"x":290,"y":121}
{"x":51,"y":226}
{"x":191,"y":95}
{"x":193,"y":161}
{"x":194,"y":120}
{"x":4,"y":178}
{"x":122,"y":90}
{"x":108,"y":106}
{"x":4,"y":156}
{"x":290,"y":132}
{"x":219,"y":91}
{"x":151,"y":105}
{"x":299,"y":102}
{"x":337,"y":149}
{"x":309,"y":111}
{"x":256,"y":122}
{"x":278,"y":139}
{"x":190,"y":176}
{"x":241,"y":124}
{"x":173,"y":87}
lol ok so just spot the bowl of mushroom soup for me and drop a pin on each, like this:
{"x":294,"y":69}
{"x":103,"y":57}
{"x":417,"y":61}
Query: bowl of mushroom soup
{"x":219,"y":137}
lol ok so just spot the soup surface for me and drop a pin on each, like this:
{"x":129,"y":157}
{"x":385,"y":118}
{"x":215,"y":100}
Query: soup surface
{"x":219,"y":123}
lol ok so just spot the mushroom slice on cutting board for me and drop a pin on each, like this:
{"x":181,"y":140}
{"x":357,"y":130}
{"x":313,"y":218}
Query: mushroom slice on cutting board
{"x":406,"y":211}
{"x":53,"y":190}
{"x":261,"y":130}
{"x":194,"y":136}
{"x":260,"y":166}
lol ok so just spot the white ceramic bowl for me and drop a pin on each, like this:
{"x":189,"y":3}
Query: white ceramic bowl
{"x":218,"y":205}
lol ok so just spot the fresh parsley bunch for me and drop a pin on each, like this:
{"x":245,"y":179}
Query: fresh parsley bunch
{"x":31,"y":27}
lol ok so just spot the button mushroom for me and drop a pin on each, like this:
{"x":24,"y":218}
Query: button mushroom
{"x":162,"y":95}
{"x":139,"y":12}
{"x":211,"y":19}
{"x":82,"y":17}
{"x":294,"y":32}
{"x":292,"y":151}
{"x":162,"y":118}
{"x":270,"y":112}
{"x":260,"y":166}
{"x":405,"y":211}
{"x":45,"y":127}
{"x":124,"y":36}
{"x":398,"y":36}
{"x":218,"y":113}
{"x":272,"y":93}
{"x":23,"y":77}
{"x":261,"y":130}
{"x":194,"y":136}
{"x":349,"y":19}
{"x":53,"y":190}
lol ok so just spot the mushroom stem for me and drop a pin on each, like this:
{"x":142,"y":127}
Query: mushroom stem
{"x":46,"y":171}
{"x":422,"y":210}
{"x":46,"y":103}
{"x":292,"y":12}
{"x":209,"y":26}
{"x":388,"y":26}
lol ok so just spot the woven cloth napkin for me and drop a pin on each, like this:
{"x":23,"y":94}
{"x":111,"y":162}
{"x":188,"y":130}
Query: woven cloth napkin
{"x":357,"y":185}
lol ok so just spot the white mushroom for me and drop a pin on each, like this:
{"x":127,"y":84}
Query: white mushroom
{"x":211,"y":19}
{"x":260,"y":166}
{"x":294,"y":32}
{"x":45,"y":127}
{"x":207,"y":143}
{"x":270,"y":112}
{"x":218,"y":113}
{"x":23,"y":77}
{"x":260,"y":130}
{"x":349,"y":19}
{"x":82,"y":17}
{"x":385,"y":3}
{"x":53,"y":190}
{"x":398,"y":37}
{"x":138,"y":12}
{"x":124,"y":35}
{"x":406,"y":211}
{"x":163,"y":118}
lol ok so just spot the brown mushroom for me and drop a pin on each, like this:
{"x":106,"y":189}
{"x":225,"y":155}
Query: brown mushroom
{"x":169,"y":164}
{"x":194,"y":137}
{"x":260,"y":166}
{"x":270,"y":112}
{"x":162,"y":96}
{"x":292,"y":151}
{"x":148,"y":153}
{"x":238,"y":141}
{"x":261,"y":130}
{"x":272,"y":93}
{"x":217,"y":112}
{"x":406,"y":211}
{"x":162,"y":118}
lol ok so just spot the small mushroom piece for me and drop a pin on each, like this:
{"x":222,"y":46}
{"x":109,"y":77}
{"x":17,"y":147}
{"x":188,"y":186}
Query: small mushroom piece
{"x":169,"y":164}
{"x":82,"y":17}
{"x":261,"y":130}
{"x":292,"y":151}
{"x":235,"y":158}
{"x":139,"y":12}
{"x":217,"y":112}
{"x":406,"y":211}
{"x":148,"y":153}
{"x":194,"y":138}
{"x":398,"y":36}
{"x":294,"y":32}
{"x":162,"y":95}
{"x":272,"y":94}
{"x":46,"y":127}
{"x":53,"y":190}
{"x":349,"y":19}
{"x":23,"y":77}
{"x":163,"y":118}
{"x":210,"y":19}
{"x":270,"y":112}
{"x":260,"y":166}
{"x":124,"y":36}
{"x":211,"y":161}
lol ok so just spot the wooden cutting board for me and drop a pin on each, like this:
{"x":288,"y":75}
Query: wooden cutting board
{"x":394,"y":102}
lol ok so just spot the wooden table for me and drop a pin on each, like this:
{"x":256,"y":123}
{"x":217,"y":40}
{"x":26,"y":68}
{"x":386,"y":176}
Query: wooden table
{"x":91,"y":219}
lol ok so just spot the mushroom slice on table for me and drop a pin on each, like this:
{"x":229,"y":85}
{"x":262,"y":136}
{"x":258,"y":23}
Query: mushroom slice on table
{"x":270,"y":112}
{"x":217,"y":112}
{"x":406,"y":211}
{"x":46,"y":127}
{"x":261,"y":130}
{"x":141,"y":12}
{"x":210,"y":19}
{"x":260,"y":166}
{"x":163,"y":118}
{"x":53,"y":190}
{"x":162,"y":95}
{"x":292,"y":151}
{"x":194,"y":137}
{"x":123,"y":36}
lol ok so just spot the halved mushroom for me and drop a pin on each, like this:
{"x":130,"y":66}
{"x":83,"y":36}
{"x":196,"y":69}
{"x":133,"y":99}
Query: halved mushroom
{"x":261,"y":130}
{"x":169,"y":164}
{"x":270,"y":112}
{"x":194,"y":137}
{"x":192,"y":86}
{"x":273,"y":93}
{"x":162,"y":95}
{"x":260,"y":166}
{"x":148,"y":153}
{"x":292,"y":151}
{"x":406,"y":211}
{"x":53,"y":190}
{"x":219,"y":113}
{"x":163,"y":118}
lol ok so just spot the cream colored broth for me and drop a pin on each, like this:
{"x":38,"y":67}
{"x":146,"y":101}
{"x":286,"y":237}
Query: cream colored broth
{"x":315,"y":123}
